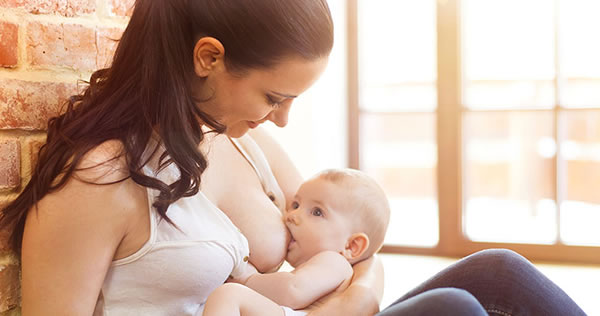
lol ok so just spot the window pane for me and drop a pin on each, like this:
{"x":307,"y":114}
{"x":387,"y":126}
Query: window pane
{"x":580,"y":67}
{"x":581,"y":92}
{"x":508,"y":53}
{"x":399,"y":150}
{"x":508,"y":177}
{"x":397,"y":55}
{"x":580,"y":158}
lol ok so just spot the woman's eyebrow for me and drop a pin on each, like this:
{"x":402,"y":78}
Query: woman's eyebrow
{"x":289,"y":96}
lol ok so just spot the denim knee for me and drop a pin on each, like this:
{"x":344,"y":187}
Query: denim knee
{"x":453,"y":301}
{"x":501,"y":260}
{"x":441,"y":301}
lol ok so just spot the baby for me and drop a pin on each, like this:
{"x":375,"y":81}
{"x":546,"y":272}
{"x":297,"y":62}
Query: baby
{"x":337,"y":218}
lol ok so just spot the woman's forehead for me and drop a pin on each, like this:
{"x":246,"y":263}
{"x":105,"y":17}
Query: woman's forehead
{"x":290,"y":77}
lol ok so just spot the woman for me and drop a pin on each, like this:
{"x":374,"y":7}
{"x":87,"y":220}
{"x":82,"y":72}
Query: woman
{"x":92,"y":225}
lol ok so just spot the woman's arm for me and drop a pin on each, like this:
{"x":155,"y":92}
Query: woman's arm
{"x":69,"y":243}
{"x":366,"y":290}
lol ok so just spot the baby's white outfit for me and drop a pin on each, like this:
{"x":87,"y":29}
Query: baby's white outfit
{"x":290,"y":312}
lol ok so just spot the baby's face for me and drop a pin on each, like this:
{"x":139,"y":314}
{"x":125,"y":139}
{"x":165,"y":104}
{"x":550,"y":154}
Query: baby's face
{"x":317,"y":220}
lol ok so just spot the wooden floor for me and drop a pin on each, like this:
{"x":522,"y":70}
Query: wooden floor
{"x":403,"y":272}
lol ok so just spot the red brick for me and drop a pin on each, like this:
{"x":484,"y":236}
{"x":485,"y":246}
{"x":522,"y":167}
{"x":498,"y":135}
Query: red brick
{"x":122,"y":7}
{"x":29,"y":105}
{"x":34,"y":148}
{"x":63,"y":7}
{"x":10,"y":3}
{"x":10,"y":164}
{"x":69,"y":45}
{"x":79,"y":7}
{"x":4,"y":234}
{"x":9,"y":287}
{"x":9,"y":34}
{"x":107,"y":39}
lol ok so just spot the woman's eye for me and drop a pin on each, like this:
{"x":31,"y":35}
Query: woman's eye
{"x":272,"y":102}
{"x":317,"y":212}
{"x":295,"y":205}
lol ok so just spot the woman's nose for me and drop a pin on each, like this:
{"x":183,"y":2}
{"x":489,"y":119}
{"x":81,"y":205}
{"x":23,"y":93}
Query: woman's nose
{"x":280,"y":115}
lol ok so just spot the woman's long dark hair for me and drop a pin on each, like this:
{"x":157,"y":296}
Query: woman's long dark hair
{"x":147,"y":89}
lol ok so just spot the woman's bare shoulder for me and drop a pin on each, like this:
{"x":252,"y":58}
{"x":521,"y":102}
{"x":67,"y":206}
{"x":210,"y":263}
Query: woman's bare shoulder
{"x":99,"y":196}
{"x":104,"y":163}
{"x":99,"y":190}
{"x":100,"y":182}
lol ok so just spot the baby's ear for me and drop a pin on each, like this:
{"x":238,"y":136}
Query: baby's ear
{"x":356,"y":246}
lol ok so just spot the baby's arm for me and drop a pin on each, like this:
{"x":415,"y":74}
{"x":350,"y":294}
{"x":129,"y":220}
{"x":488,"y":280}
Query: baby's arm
{"x":237,"y":300}
{"x":297,"y":289}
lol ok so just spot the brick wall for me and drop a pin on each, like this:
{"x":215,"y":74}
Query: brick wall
{"x":45,"y":47}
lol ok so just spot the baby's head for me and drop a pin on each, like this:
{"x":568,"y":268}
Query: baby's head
{"x":341,"y":210}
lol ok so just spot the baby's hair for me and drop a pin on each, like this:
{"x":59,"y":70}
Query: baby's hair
{"x":372,"y":211}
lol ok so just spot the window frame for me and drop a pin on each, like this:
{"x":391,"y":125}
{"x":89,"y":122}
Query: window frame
{"x":452,"y":239}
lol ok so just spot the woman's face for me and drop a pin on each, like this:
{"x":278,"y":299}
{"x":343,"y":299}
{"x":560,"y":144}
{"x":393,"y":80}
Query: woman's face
{"x":260,"y":95}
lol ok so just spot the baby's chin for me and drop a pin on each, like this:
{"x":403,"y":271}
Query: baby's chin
{"x":294,"y":262}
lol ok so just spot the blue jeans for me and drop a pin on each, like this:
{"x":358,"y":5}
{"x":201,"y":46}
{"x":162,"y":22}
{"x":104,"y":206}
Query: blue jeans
{"x":490,"y":282}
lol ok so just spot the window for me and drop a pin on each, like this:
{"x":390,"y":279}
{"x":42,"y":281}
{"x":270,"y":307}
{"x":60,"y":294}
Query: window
{"x":481,"y":119}
{"x":397,"y":121}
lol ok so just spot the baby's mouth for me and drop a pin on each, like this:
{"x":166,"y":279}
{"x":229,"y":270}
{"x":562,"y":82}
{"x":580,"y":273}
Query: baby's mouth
{"x":292,"y":239}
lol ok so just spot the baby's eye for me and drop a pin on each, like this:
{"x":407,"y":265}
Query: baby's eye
{"x":295,"y":205}
{"x":316,"y":212}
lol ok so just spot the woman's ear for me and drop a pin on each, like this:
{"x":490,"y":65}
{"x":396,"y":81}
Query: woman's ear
{"x":209,"y":53}
{"x":356,"y":246}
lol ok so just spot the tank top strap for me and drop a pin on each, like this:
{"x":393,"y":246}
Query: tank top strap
{"x":250,"y":150}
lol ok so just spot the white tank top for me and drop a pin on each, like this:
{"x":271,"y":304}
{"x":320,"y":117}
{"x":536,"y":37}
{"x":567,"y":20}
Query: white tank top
{"x":175,"y":270}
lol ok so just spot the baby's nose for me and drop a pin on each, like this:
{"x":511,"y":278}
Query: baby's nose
{"x":292,"y":218}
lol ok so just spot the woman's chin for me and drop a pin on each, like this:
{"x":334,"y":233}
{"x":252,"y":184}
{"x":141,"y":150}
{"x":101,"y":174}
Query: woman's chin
{"x":237,"y":130}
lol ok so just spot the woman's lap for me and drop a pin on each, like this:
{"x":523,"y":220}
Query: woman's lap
{"x":502,"y":281}
{"x":440,"y":301}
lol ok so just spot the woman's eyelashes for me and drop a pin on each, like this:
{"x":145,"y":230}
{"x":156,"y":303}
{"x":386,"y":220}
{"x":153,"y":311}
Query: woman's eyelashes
{"x":273,"y":101}
{"x":295,"y":205}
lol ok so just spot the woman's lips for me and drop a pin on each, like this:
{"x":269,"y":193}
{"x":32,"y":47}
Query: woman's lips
{"x":252,"y":124}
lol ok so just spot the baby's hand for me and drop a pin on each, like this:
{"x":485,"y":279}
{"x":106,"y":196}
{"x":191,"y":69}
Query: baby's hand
{"x":250,"y":270}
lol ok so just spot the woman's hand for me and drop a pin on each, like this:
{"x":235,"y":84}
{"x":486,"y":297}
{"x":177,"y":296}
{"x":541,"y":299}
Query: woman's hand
{"x":363,"y":295}
{"x":353,"y":302}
